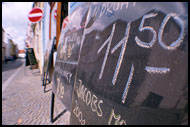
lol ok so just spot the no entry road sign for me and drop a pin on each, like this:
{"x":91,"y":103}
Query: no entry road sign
{"x":65,"y":21}
{"x":55,"y":14}
{"x":35,"y":15}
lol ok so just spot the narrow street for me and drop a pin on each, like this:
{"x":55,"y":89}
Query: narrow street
{"x":9,"y":68}
{"x":23,"y":99}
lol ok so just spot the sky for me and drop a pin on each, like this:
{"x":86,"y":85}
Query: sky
{"x":15,"y":20}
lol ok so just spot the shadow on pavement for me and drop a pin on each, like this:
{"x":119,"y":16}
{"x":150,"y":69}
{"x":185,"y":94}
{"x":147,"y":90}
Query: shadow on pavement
{"x":36,"y":73}
{"x":58,"y":116}
{"x":45,"y":91}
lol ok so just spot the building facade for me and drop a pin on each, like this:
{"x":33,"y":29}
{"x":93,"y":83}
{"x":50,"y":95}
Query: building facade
{"x":9,"y":48}
{"x":3,"y":46}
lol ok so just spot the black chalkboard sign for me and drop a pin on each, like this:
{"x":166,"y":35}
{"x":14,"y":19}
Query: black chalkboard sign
{"x":68,"y":55}
{"x":31,"y":56}
{"x":133,"y":65}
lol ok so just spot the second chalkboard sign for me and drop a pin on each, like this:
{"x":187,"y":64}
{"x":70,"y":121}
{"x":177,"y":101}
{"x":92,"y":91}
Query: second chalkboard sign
{"x":31,"y":56}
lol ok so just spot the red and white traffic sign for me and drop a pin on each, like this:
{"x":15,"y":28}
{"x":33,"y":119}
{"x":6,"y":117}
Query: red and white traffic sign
{"x":35,"y":15}
{"x":65,"y":21}
{"x":55,"y":14}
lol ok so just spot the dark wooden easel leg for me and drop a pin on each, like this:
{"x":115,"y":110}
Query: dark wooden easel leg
{"x":52,"y":107}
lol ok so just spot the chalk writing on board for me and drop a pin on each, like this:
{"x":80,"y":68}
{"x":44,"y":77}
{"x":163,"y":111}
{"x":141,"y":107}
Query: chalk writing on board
{"x":141,"y":28}
{"x":123,"y":43}
{"x":110,"y":7}
{"x":174,"y":44}
{"x":128,"y":84}
{"x":67,"y":62}
{"x":69,"y":51}
{"x":157,"y":70}
{"x":108,"y":41}
{"x":72,"y":40}
{"x":78,"y":113}
{"x":64,"y":73}
{"x":60,"y":88}
{"x":90,"y":99}
{"x":116,"y":119}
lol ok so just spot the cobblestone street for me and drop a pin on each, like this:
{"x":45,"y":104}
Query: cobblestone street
{"x":25,"y":103}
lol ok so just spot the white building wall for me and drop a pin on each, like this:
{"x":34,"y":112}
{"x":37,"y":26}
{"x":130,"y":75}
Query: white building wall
{"x":38,"y":42}
{"x":45,"y":28}
{"x":38,"y":49}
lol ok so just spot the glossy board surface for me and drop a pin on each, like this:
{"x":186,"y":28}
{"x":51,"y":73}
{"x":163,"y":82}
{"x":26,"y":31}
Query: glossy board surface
{"x":133,"y":65}
{"x":124,"y":63}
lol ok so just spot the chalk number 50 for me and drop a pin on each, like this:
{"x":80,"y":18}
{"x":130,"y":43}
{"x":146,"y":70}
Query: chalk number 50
{"x":173,"y":45}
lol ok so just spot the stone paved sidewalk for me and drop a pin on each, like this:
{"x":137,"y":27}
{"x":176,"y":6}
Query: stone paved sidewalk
{"x":25,"y":103}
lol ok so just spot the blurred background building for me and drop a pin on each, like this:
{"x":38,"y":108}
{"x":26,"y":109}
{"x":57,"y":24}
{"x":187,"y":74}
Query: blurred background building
{"x":9,"y":48}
